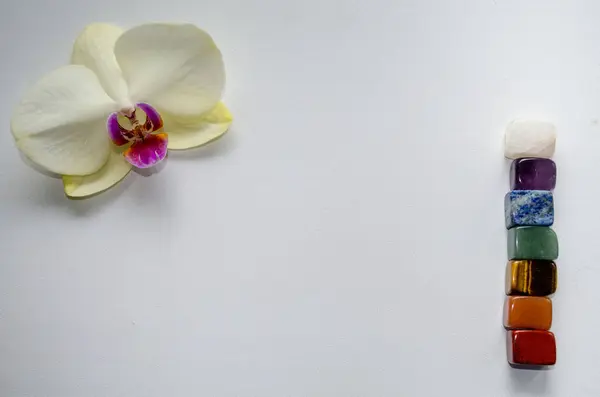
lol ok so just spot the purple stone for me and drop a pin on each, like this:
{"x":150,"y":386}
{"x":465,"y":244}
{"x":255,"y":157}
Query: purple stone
{"x":533,"y":174}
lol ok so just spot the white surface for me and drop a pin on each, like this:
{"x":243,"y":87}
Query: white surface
{"x":345,"y":239}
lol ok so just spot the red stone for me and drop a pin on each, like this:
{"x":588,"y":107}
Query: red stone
{"x":531,"y":347}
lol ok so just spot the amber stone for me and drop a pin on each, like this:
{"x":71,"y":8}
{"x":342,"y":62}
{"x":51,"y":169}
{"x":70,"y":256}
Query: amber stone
{"x":531,"y":347}
{"x":527,"y":312}
{"x":531,"y":277}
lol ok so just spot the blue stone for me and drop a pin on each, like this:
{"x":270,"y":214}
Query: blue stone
{"x":529,"y":208}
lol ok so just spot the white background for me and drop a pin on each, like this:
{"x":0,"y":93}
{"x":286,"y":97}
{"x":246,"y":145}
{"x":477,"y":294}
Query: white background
{"x":346,"y":238}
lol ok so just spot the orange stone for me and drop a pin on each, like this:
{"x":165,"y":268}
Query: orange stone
{"x":531,"y":348}
{"x":527,"y":312}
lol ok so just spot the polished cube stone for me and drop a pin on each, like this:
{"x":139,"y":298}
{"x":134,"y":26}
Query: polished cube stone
{"x":533,"y":174}
{"x":529,"y":208}
{"x":527,"y":312}
{"x":529,"y":138}
{"x":531,"y":348}
{"x":532,"y":242}
{"x":531,"y":278}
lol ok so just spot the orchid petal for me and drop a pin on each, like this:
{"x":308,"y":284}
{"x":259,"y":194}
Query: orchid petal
{"x":152,"y":115}
{"x":115,"y":130}
{"x":175,"y":67}
{"x":61,"y":122}
{"x":187,"y":134}
{"x":112,"y":173}
{"x":149,"y":152}
{"x":95,"y":49}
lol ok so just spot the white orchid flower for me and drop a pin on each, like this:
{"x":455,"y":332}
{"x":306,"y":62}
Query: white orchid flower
{"x":126,"y":97}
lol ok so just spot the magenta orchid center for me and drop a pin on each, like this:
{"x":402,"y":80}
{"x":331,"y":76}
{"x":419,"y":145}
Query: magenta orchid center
{"x":138,"y":127}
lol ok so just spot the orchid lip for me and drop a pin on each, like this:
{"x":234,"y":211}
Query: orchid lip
{"x":147,"y":152}
{"x":138,"y":127}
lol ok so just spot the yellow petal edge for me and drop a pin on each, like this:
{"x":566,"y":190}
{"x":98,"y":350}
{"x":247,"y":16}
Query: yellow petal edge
{"x":185,"y":134}
{"x":113,"y":172}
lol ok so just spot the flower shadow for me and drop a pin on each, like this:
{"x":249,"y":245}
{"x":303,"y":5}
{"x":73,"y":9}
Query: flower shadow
{"x":99,"y":202}
{"x":49,"y":192}
{"x":146,"y":172}
{"x":218,"y":148}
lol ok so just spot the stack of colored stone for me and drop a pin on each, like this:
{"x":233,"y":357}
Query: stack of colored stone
{"x":531,"y":275}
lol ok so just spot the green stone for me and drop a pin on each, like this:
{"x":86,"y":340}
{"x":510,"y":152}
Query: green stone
{"x":532,"y":242}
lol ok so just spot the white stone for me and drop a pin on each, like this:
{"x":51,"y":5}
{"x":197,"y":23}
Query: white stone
{"x":529,"y":138}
